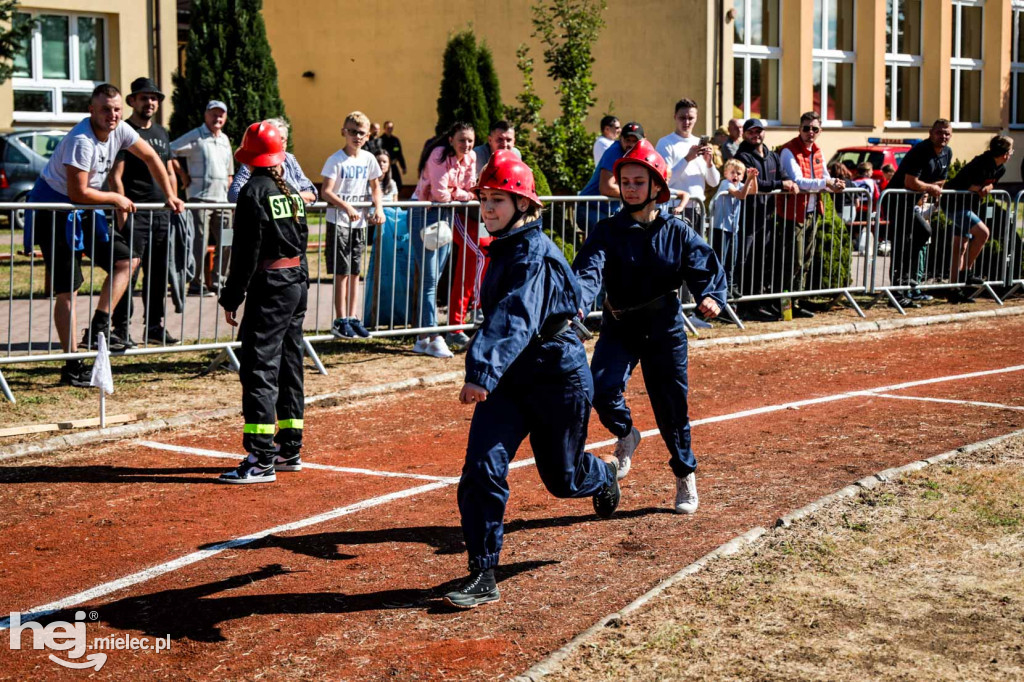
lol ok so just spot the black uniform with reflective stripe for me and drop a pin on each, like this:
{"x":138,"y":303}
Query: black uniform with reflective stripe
{"x":269,"y":226}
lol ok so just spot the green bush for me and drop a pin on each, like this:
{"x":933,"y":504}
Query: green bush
{"x":831,"y":266}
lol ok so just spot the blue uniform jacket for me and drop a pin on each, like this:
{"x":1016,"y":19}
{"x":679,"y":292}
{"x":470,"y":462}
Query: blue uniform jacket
{"x":639,"y":263}
{"x":527,"y":283}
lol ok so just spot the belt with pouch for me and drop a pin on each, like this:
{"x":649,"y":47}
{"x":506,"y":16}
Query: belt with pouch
{"x":280,"y":263}
{"x":651,"y":306}
{"x":557,"y":325}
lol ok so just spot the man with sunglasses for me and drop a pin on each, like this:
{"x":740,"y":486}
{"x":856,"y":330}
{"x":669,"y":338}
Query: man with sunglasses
{"x":610,"y":128}
{"x":755,"y":257}
{"x":794,"y":240}
{"x":211,"y":168}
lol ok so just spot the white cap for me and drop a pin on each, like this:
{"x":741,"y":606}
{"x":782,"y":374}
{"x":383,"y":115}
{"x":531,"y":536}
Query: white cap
{"x":216,"y":104}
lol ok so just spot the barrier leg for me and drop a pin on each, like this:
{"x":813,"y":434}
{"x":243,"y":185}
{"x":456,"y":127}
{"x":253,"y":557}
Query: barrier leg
{"x":6,"y":389}
{"x":733,"y":316}
{"x":226,"y":355}
{"x":894,"y":302}
{"x":849,"y":297}
{"x":689,"y":325}
{"x":992,"y":293}
{"x":313,"y":356}
{"x":1014,"y":289}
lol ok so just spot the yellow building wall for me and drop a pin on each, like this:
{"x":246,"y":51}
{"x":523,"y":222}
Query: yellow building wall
{"x":127,"y":49}
{"x":383,"y":57}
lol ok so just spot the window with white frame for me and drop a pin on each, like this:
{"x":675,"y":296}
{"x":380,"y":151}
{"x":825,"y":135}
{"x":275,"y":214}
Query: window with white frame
{"x":903,"y":63}
{"x":968,"y":25}
{"x":833,"y":54}
{"x":1017,"y":66}
{"x":58,"y":67}
{"x":756,"y":54}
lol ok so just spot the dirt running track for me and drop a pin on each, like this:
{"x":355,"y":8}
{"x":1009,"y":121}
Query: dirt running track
{"x":348,"y":585}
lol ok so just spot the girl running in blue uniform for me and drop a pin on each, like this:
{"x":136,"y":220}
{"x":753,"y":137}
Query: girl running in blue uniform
{"x":527,"y":375}
{"x":642,"y":255}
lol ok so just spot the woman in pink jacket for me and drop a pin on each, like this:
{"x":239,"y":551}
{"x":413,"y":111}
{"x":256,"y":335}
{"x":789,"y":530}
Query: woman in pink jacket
{"x":447,"y":173}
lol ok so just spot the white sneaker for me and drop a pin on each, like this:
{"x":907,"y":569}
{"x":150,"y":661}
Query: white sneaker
{"x":686,"y":494}
{"x":421,"y":345}
{"x":438,"y":348}
{"x":624,"y":450}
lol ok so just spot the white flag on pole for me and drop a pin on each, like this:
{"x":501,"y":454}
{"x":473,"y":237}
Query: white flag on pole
{"x":101,"y":376}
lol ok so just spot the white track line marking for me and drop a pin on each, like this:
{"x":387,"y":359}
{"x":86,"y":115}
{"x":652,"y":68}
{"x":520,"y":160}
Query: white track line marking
{"x":305,"y":465}
{"x":161,"y":569}
{"x":950,"y":401}
{"x":194,"y":557}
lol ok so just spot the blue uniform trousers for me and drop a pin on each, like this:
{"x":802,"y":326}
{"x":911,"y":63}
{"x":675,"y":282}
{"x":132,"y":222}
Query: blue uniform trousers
{"x":554,"y":411}
{"x":658,"y":343}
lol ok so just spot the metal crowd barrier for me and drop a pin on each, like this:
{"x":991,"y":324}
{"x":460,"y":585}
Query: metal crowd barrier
{"x":781,"y":246}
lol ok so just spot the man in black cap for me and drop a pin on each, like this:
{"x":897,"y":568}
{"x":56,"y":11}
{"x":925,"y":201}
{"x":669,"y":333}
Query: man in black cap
{"x":759,"y":218}
{"x":130,"y":177}
{"x":603,"y":179}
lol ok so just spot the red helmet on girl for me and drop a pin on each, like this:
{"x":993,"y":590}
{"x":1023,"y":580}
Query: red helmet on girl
{"x":645,"y":155}
{"x":262,"y":146}
{"x":505,"y":171}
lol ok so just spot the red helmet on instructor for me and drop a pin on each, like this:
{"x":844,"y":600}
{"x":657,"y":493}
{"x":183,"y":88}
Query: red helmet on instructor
{"x":507,"y":172}
{"x":262,"y":146}
{"x":645,"y":155}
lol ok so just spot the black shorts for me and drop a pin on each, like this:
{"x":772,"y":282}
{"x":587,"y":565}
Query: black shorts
{"x":65,"y":265}
{"x":345,"y":247}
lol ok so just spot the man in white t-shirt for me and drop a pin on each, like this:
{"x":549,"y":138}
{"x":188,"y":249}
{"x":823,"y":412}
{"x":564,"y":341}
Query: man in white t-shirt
{"x":689,"y":161}
{"x":609,"y":134}
{"x":75,"y":174}
{"x":350,"y":175}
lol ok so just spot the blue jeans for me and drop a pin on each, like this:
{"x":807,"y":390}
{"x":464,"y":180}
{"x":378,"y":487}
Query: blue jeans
{"x":429,"y":263}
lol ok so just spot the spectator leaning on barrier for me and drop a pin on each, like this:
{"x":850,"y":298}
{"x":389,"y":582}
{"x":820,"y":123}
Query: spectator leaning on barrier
{"x":924,"y":170}
{"x":270,"y":273}
{"x":759,"y":218}
{"x":603,"y":181}
{"x":447,"y":172}
{"x":74,"y":174}
{"x":690,"y":163}
{"x":732,"y":145}
{"x":609,"y":133}
{"x":501,"y":136}
{"x":393,"y":146}
{"x":131,"y":177}
{"x":293,"y":173}
{"x":207,"y":152}
{"x":804,"y":164}
{"x":969,"y":231}
{"x":642,"y":255}
{"x":350,"y":174}
{"x":725,"y":215}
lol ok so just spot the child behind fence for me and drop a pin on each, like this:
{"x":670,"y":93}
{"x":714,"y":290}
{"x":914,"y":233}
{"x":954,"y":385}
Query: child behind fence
{"x":725,"y":213}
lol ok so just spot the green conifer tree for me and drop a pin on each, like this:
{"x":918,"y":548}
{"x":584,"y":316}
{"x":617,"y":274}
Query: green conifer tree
{"x":14,"y":39}
{"x":489,"y":83}
{"x":462,"y":96}
{"x":228,"y":58}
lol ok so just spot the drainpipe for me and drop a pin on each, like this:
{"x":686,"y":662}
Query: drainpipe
{"x":720,"y":66}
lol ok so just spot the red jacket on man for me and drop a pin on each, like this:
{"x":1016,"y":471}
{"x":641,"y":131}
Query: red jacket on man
{"x":812,"y":165}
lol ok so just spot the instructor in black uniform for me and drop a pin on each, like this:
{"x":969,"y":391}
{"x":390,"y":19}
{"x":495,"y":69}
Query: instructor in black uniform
{"x":268,"y":264}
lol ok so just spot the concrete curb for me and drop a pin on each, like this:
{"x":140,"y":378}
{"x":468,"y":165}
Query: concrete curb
{"x":331,"y":399}
{"x":555,"y":659}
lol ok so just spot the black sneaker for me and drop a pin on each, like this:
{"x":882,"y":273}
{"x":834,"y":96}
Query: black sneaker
{"x":905,"y":302}
{"x":974,"y":280}
{"x":162,"y":336}
{"x":115,"y":344}
{"x":357,"y":328}
{"x":341,"y":329}
{"x":606,"y":501}
{"x":959,"y":296}
{"x":78,"y":377}
{"x":288,"y":462}
{"x":250,"y":471}
{"x":802,"y":312}
{"x":479,"y":588}
{"x":124,"y":336}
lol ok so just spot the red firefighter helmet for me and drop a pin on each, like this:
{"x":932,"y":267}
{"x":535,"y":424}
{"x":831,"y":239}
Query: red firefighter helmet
{"x":262,"y":146}
{"x":507,"y":172}
{"x":645,"y":155}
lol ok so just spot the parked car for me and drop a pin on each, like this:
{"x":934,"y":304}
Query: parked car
{"x":879,"y":151}
{"x":23,"y":153}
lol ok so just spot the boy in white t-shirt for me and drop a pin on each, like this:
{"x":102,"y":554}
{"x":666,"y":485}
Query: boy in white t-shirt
{"x":351,"y":175}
